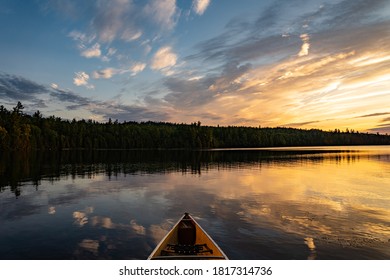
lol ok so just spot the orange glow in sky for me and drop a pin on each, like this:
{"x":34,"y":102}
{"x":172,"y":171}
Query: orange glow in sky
{"x":321,"y":64}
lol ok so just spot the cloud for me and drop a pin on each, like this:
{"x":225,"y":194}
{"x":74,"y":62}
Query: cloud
{"x":229,"y":80}
{"x":124,"y":20}
{"x":305,"y":46}
{"x":51,"y":210}
{"x":111,"y":51}
{"x":81,"y":217}
{"x":109,"y":21}
{"x":68,"y":96}
{"x":346,"y":13}
{"x":16,"y":88}
{"x":81,"y":79}
{"x":70,"y":9}
{"x":386,"y":120}
{"x":89,"y":245}
{"x":258,"y":68}
{"x":130,"y":35}
{"x":188,"y":94}
{"x":383,"y":129}
{"x":111,"y":18}
{"x":104,"y":222}
{"x":108,"y":109}
{"x":54,"y":86}
{"x":192,"y":93}
{"x":105,"y":73}
{"x":278,"y":87}
{"x":162,"y":12}
{"x":200,"y":6}
{"x":108,"y":73}
{"x":124,"y":112}
{"x":12,"y":84}
{"x":109,"y":54}
{"x":299,"y":124}
{"x":164,"y":58}
{"x":81,"y":37}
{"x":137,"y":67}
{"x":147,"y":48}
{"x":138,"y":229}
{"x":86,"y":46}
{"x":283,"y":79}
{"x":374,"y":115}
{"x":273,"y":35}
{"x":94,"y":51}
{"x":34,"y":95}
{"x":237,"y":44}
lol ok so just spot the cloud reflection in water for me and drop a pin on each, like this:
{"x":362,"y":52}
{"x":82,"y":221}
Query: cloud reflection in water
{"x":299,"y":206}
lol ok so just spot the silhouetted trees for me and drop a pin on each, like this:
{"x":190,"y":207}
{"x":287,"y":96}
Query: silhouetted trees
{"x":19,"y":131}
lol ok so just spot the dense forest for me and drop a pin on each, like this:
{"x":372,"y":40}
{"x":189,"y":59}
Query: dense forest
{"x":20,"y":131}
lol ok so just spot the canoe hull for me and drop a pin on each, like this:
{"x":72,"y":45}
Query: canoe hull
{"x":187,"y":240}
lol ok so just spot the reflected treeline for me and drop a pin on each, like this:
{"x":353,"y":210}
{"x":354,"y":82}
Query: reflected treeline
{"x":17,"y":169}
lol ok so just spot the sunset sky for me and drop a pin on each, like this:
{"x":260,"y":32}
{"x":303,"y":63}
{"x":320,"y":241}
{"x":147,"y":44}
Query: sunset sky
{"x":294,"y":63}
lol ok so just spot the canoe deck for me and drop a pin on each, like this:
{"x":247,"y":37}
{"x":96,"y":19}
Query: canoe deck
{"x":187,"y":240}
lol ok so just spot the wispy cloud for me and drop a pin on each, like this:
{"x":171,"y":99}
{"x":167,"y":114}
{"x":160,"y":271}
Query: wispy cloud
{"x":109,"y":72}
{"x":82,"y":79}
{"x":137,"y":68}
{"x":374,"y":115}
{"x":130,"y":35}
{"x":163,"y":12}
{"x":72,"y":100}
{"x":110,"y":52}
{"x":94,"y":51}
{"x":299,"y":124}
{"x":281,"y":80}
{"x":105,"y":73}
{"x":321,"y":64}
{"x":200,"y":6}
{"x":192,"y":94}
{"x":14,"y":87}
{"x":103,"y":110}
{"x":86,"y":45}
{"x":164,"y":59}
{"x":34,"y":96}
{"x":386,"y":120}
{"x":109,"y":21}
{"x":81,"y":38}
{"x":122,"y":112}
{"x":384,"y":129}
{"x":54,"y":86}
{"x":112,"y":19}
{"x":305,"y":46}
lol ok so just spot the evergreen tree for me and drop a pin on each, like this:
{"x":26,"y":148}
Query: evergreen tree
{"x":19,"y":131}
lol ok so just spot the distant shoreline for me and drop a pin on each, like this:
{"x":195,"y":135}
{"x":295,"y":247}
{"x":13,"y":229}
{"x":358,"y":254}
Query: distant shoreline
{"x":19,"y":131}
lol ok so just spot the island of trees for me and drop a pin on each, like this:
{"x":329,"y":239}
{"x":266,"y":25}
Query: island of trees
{"x":20,"y":131}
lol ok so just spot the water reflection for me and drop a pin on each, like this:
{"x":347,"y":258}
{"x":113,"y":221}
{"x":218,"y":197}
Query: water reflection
{"x":257,"y":204}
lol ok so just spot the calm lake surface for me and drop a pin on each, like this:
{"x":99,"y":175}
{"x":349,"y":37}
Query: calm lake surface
{"x":290,"y":203}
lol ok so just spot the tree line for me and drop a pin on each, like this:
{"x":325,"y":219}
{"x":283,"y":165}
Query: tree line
{"x":20,"y":131}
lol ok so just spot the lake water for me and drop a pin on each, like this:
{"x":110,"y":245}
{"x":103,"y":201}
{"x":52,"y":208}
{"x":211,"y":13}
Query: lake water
{"x":290,"y":203}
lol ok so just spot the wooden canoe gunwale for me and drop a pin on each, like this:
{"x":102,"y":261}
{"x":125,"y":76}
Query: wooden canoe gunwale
{"x":201,"y":237}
